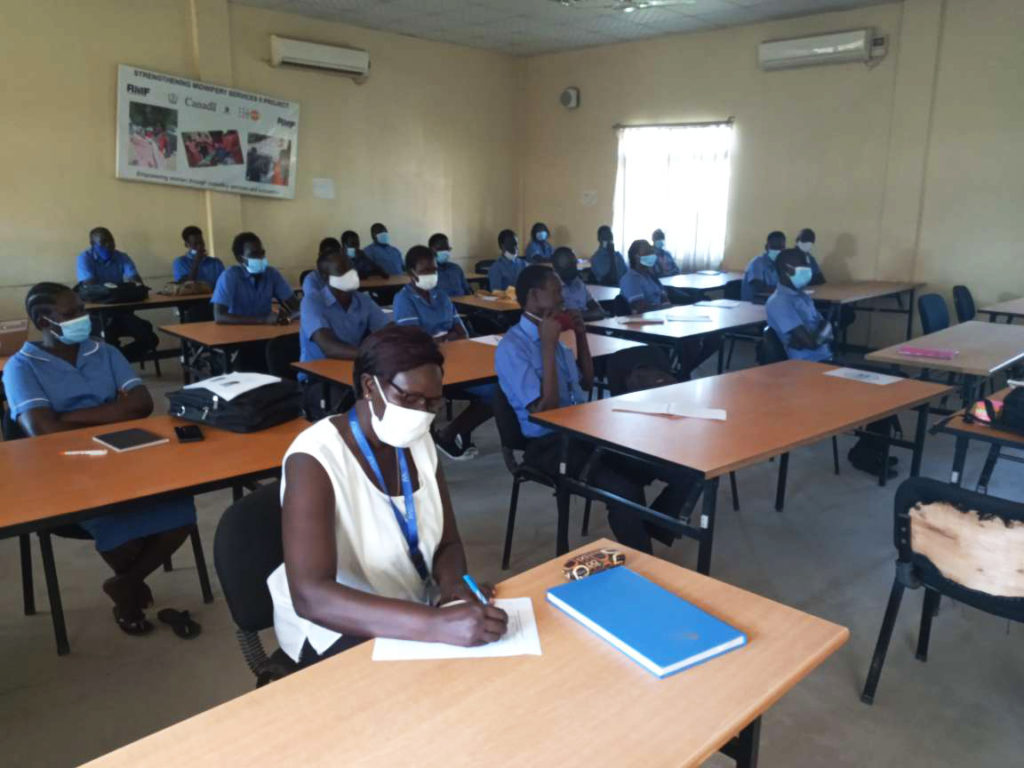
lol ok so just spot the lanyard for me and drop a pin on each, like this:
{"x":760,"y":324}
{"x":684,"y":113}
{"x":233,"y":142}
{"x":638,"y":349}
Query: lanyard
{"x":407,"y":521}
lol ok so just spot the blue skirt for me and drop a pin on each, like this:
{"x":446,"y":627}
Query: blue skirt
{"x":111,"y":531}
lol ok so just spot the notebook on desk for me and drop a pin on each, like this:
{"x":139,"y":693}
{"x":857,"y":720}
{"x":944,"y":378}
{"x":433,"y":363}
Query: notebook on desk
{"x":658,"y":630}
{"x":129,"y":439}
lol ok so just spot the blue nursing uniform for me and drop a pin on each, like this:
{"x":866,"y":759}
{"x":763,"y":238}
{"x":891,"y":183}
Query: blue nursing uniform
{"x":321,"y":310}
{"x":538,"y":250}
{"x":575,"y":295}
{"x":250,"y":295}
{"x":119,"y":268}
{"x":608,"y":266}
{"x":641,"y":286}
{"x":437,"y":316}
{"x":312,"y":283}
{"x":504,"y":272}
{"x":761,"y":268}
{"x":35,"y":378}
{"x":520,"y":368}
{"x":786,"y":310}
{"x":451,"y":279}
{"x":210,"y":269}
{"x":666,"y":264}
{"x":387,"y":257}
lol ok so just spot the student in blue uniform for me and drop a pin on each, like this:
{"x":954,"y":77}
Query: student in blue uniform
{"x":102,"y":263}
{"x":422,"y":303}
{"x":607,"y":263}
{"x":537,"y":372}
{"x":450,"y":277}
{"x":65,"y":381}
{"x":574,"y":292}
{"x":364,"y":265}
{"x":504,"y":272}
{"x":761,"y":277}
{"x":639,"y":286}
{"x":666,"y":265}
{"x":196,"y":266}
{"x":539,"y":249}
{"x":383,"y":254}
{"x":314,"y":281}
{"x":805,"y":243}
{"x":245,"y":293}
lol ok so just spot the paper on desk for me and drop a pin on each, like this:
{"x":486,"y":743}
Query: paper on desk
{"x":231,"y":385}
{"x":492,"y":339}
{"x":721,"y":304}
{"x":677,"y":410}
{"x":868,"y":377}
{"x":520,"y":640}
{"x":685,"y":317}
{"x":708,"y":272}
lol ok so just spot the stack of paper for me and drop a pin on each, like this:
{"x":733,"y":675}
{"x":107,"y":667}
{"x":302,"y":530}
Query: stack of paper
{"x":868,"y":377}
{"x":491,"y":340}
{"x":231,"y":385}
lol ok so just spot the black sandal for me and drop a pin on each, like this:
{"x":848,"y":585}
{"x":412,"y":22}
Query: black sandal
{"x":182,"y":624}
{"x":139,"y":625}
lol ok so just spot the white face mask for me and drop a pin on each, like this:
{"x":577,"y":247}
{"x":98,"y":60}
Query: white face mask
{"x":348,"y":282}
{"x":426,"y":282}
{"x":805,"y":247}
{"x":512,"y":256}
{"x":400,"y":426}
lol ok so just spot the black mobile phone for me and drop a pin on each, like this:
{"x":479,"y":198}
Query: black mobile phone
{"x":189,"y":434}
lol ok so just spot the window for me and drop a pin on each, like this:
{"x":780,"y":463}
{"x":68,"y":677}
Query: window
{"x":675,"y":178}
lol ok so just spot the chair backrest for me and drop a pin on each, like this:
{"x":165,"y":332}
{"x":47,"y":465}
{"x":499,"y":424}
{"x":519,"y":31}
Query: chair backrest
{"x":246,"y":550}
{"x":625,"y":362}
{"x":963,"y":303}
{"x":281,"y":353}
{"x":482,"y":266}
{"x":770,"y":349}
{"x":963,"y":544}
{"x":933,"y":311}
{"x":509,"y":431}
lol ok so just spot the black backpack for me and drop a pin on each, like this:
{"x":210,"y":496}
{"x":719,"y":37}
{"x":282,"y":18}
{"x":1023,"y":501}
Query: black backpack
{"x":260,"y":408}
{"x":1011,"y":418}
{"x":110,"y":293}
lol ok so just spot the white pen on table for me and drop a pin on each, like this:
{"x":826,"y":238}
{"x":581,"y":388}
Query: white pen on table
{"x":85,"y":453}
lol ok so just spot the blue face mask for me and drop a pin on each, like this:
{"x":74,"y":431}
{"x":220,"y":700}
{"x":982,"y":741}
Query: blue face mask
{"x":649,"y":259}
{"x":102,"y":252}
{"x":383,"y":238}
{"x":542,"y":236}
{"x":443,"y":256}
{"x":350,"y":252}
{"x":74,"y":331}
{"x":659,"y":244}
{"x":256,"y":266}
{"x":801,"y":277}
{"x":773,"y":254}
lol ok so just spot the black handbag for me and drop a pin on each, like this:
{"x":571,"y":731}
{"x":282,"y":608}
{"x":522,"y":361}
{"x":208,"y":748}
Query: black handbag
{"x":1011,"y":417}
{"x":260,"y":408}
{"x":104,"y":293}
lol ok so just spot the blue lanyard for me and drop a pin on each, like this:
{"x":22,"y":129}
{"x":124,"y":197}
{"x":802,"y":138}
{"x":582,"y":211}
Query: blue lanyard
{"x":407,"y":521}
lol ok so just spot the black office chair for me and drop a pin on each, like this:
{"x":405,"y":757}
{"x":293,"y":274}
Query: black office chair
{"x":246,"y":550}
{"x":483,"y":265}
{"x":935,"y":525}
{"x":512,"y":440}
{"x":963,"y":303}
{"x":281,"y":352}
{"x":934,"y":313}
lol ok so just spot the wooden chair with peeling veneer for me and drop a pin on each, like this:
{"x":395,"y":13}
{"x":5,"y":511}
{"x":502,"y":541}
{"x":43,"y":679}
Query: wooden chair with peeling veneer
{"x":953,"y":542}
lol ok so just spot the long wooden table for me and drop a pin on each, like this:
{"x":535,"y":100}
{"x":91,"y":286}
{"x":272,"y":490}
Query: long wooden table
{"x":806,"y":406}
{"x":855,"y":292}
{"x":487,"y":303}
{"x":199,"y":338}
{"x":1008,"y":309}
{"x":153,"y":301}
{"x":965,"y":429}
{"x":581,"y":703}
{"x":673,"y":324}
{"x":91,"y":485}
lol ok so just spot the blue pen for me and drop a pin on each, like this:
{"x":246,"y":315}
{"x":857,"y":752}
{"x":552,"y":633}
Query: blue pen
{"x":476,"y":590}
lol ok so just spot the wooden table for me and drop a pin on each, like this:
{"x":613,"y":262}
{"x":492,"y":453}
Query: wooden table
{"x":465,"y":361}
{"x":477,"y":277}
{"x":581,"y":703}
{"x":853,"y":293}
{"x":153,"y":301}
{"x":724,"y":315}
{"x":91,"y":485}
{"x":965,"y":430}
{"x":805,"y":406}
{"x":197,"y":338}
{"x":984,"y":349}
{"x":488,"y":304}
{"x":1011,"y":309}
{"x":376,"y":283}
{"x":695,"y":282}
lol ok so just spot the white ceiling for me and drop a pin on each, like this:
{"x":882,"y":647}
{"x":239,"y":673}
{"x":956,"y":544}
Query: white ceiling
{"x":528,"y":27}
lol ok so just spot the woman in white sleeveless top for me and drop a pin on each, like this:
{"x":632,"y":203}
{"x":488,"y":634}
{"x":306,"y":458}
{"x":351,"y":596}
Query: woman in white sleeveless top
{"x":356,"y":563}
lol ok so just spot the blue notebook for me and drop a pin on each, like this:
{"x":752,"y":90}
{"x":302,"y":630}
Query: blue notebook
{"x":655,"y":628}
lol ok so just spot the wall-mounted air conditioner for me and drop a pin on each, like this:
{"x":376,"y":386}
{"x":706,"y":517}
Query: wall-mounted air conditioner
{"x":835,"y":48}
{"x":299,"y":53}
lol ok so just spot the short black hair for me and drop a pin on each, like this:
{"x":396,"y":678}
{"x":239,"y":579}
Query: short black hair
{"x":636,"y":245}
{"x":238,"y":244}
{"x":436,"y":238}
{"x":377,"y":228}
{"x":190,"y":230}
{"x":789,"y":256}
{"x":417,"y":254}
{"x":655,"y":233}
{"x":538,"y":227}
{"x":776,"y":235}
{"x":806,"y":236}
{"x":99,"y":231}
{"x":328,"y":246}
{"x":348,"y":234}
{"x":41,"y":298}
{"x":563,"y":251}
{"x":534,"y":276}
{"x":504,"y":235}
{"x":391,"y":351}
{"x":603,"y":228}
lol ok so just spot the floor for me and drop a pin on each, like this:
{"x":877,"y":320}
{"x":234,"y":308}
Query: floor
{"x":830,"y":553}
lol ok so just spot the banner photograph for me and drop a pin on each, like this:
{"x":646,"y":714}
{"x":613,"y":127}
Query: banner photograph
{"x":171,"y":130}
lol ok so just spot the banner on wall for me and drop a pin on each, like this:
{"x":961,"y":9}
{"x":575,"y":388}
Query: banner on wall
{"x":171,"y":130}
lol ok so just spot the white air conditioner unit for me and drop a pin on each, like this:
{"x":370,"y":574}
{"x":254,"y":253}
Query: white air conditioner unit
{"x":299,"y":53}
{"x":835,"y":48}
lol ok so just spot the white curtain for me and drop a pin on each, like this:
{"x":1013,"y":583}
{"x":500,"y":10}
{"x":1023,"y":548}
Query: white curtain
{"x":675,"y":178}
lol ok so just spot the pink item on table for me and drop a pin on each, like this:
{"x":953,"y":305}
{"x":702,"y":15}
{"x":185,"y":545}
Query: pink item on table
{"x":937,"y":354}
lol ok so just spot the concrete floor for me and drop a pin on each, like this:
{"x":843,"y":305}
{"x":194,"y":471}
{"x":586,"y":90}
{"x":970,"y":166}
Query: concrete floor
{"x":830,"y":554}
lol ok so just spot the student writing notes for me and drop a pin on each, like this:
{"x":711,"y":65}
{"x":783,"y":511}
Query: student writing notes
{"x":574,"y":292}
{"x":450,"y":277}
{"x":607,"y":263}
{"x":371,"y":545}
{"x":68,"y":380}
{"x":760,"y":278}
{"x":639,"y":286}
{"x":381,"y":252}
{"x":539,"y":249}
{"x":506,"y":269}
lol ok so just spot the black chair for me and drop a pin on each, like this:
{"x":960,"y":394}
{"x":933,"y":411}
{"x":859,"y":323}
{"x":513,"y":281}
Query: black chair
{"x":281,"y":353}
{"x":935,"y":526}
{"x":934,"y":313}
{"x":963,"y":303}
{"x":512,"y":440}
{"x":482,"y":266}
{"x":246,"y":550}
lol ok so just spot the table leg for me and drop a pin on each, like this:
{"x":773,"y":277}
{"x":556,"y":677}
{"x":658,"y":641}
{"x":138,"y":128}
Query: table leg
{"x":780,"y":488}
{"x":204,"y":576}
{"x":721,"y":358}
{"x":883,"y":473}
{"x":988,"y":468}
{"x":959,"y":459}
{"x":707,"y":526}
{"x":744,"y":748}
{"x":919,"y":434}
{"x":910,"y":315}
{"x":562,"y":493}
{"x":60,"y":632}
{"x":27,"y":587}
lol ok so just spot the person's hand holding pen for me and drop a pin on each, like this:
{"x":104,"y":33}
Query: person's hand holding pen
{"x":472,"y":622}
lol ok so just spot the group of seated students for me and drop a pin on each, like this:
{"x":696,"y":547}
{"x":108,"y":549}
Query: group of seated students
{"x":762,"y":276}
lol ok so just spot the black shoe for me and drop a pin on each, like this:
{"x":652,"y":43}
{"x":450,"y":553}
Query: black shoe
{"x":456,"y":448}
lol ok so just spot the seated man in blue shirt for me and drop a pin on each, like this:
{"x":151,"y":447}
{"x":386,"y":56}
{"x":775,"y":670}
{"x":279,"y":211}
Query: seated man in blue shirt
{"x":102,"y":263}
{"x":805,"y":243}
{"x":383,"y":254}
{"x":424,"y":304}
{"x":666,"y":265}
{"x":761,"y":277}
{"x":67,"y":381}
{"x":639,"y":286}
{"x":450,"y":277}
{"x":364,"y":265}
{"x":537,"y":372}
{"x":574,"y":291}
{"x":198,"y":268}
{"x":539,"y":249}
{"x":607,"y":263}
{"x":505,"y":271}
{"x":313,"y":281}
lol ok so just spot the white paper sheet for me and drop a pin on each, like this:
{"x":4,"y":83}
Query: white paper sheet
{"x":720,"y":304}
{"x":231,"y":385}
{"x":520,"y":640}
{"x":708,"y":272}
{"x":868,"y":377}
{"x":686,"y":317}
{"x":491,"y":340}
{"x":676,"y":410}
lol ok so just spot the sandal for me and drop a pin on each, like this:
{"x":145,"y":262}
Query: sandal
{"x":182,"y":624}
{"x":138,"y":625}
